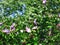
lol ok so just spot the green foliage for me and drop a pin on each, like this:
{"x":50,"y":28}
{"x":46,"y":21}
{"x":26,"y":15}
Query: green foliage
{"x":47,"y":19}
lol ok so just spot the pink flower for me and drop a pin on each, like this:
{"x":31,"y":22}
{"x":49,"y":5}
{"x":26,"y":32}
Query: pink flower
{"x":34,"y":28}
{"x":6,"y":31}
{"x":28,"y":29}
{"x":12,"y":27}
{"x":44,"y":1}
{"x":35,"y":22}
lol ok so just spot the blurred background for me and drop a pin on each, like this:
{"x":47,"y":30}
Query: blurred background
{"x":29,"y":22}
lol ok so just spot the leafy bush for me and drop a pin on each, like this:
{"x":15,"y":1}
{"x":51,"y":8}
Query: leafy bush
{"x":30,"y":22}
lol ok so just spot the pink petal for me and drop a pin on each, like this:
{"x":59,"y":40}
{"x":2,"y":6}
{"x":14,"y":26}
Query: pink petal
{"x":35,"y":22}
{"x":28,"y":29}
{"x":12,"y":27}
{"x":6,"y":31}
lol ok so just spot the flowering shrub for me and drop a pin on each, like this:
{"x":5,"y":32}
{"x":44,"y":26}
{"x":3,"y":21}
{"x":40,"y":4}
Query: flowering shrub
{"x":29,"y":22}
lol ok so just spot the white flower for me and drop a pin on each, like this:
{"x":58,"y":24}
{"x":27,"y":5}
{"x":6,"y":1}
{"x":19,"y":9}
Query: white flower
{"x":13,"y":24}
{"x":35,"y":27}
{"x":44,"y":1}
{"x":1,"y":23}
{"x":21,"y":31}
